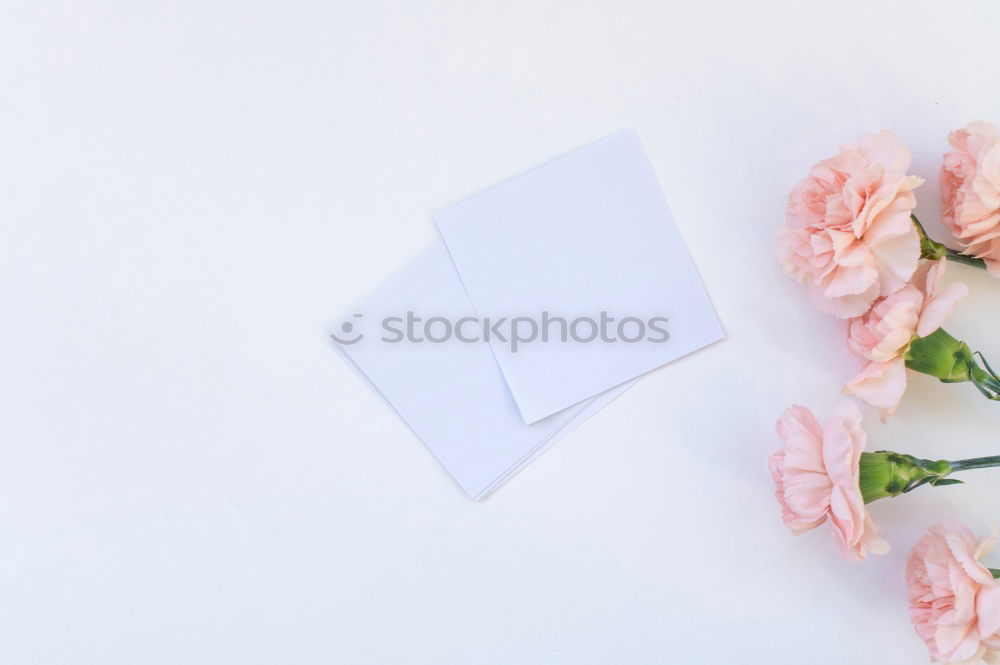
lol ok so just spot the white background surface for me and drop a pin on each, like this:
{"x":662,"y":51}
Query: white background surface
{"x":190,"y":193}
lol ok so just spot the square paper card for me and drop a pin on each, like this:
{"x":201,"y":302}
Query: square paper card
{"x":582,"y":273}
{"x":449,"y":392}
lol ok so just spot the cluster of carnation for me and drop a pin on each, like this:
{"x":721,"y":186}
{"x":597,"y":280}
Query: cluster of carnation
{"x":852,"y":237}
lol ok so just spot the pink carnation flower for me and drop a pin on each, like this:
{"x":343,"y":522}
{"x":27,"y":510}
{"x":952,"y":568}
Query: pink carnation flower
{"x":970,"y":191}
{"x":848,"y":232}
{"x":817,"y":476}
{"x":883,"y":334}
{"x":954,"y":600}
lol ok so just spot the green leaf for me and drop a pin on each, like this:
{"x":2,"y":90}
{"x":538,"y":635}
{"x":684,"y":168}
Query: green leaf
{"x":947,"y":481}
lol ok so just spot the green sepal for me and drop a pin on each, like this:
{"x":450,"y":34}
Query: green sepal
{"x":886,"y":474}
{"x":942,"y":356}
{"x":929,"y":249}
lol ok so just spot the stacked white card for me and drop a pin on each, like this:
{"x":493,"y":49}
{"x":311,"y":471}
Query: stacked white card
{"x":544,"y":299}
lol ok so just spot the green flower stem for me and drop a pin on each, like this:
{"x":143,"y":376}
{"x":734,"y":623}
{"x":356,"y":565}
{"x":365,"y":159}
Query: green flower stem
{"x":996,"y":573}
{"x":975,"y":463}
{"x":959,"y":257}
{"x":929,"y":249}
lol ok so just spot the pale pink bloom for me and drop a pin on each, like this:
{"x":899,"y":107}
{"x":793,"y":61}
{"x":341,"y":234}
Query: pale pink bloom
{"x":882,"y":336}
{"x":970,"y":191}
{"x":817,"y":476}
{"x":954,"y":600}
{"x":848,"y":233}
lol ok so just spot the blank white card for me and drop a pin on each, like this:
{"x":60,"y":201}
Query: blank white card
{"x":586,"y":238}
{"x":451,"y":394}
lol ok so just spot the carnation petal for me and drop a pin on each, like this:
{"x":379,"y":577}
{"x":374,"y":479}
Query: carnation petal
{"x":847,"y":516}
{"x":847,"y":251}
{"x":803,"y":438}
{"x":871,"y":541}
{"x":799,"y":512}
{"x":970,"y":190}
{"x":940,"y":307}
{"x":850,"y":280}
{"x":896,"y":259}
{"x":988,"y":610}
{"x":848,"y":306}
{"x":987,"y":181}
{"x":843,"y":442}
{"x":880,"y":384}
{"x":958,"y":643}
{"x":886,"y":148}
{"x":794,"y":252}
